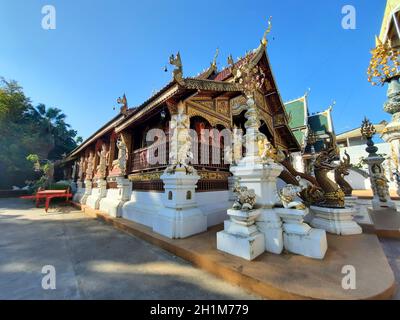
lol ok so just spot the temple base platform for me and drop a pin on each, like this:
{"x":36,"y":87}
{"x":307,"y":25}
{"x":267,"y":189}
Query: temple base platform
{"x":335,"y":220}
{"x":285,"y":276}
{"x":386,"y":222}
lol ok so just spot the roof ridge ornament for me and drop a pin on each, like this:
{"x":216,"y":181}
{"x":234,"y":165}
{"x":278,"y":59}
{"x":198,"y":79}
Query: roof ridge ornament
{"x":178,"y":71}
{"x":264,"y":40}
{"x":214,"y":62}
{"x":124,"y":104}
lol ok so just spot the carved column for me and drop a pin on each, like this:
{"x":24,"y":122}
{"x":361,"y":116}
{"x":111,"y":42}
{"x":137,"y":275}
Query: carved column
{"x":180,"y":216}
{"x":379,"y":183}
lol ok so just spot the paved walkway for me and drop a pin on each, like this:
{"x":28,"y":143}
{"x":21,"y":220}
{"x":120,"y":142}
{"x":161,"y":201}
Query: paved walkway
{"x":92,"y":260}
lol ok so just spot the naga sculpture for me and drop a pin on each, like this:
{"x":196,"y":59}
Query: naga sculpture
{"x":178,"y":71}
{"x":294,"y":173}
{"x":124,"y":104}
{"x":341,"y":171}
{"x":333,"y":194}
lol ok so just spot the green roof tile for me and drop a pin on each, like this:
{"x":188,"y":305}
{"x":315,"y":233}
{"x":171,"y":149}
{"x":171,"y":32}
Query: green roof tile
{"x":296,"y":112}
{"x":318,"y":123}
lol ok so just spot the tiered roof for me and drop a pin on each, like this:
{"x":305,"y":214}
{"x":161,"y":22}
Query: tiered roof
{"x":208,"y":81}
{"x":300,"y":121}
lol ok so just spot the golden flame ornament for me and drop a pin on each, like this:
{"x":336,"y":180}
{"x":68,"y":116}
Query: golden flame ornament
{"x":384,"y":63}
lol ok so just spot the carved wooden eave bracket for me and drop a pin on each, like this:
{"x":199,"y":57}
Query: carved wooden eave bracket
{"x":208,"y":85}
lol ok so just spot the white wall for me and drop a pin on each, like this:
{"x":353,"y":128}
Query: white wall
{"x":144,"y":205}
{"x":358,"y":152}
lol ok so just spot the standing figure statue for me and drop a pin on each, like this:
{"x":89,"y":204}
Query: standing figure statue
{"x":102,"y":167}
{"x":89,"y":167}
{"x":380,"y":183}
{"x":180,"y":142}
{"x":122,"y":155}
{"x":81,"y":168}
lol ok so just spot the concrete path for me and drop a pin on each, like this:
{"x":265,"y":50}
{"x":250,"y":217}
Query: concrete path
{"x":92,"y":260}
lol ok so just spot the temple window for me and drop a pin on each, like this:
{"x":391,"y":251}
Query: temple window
{"x":189,"y":195}
{"x":170,"y":195}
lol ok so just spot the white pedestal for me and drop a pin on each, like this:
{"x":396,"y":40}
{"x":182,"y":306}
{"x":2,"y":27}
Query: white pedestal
{"x":335,"y":220}
{"x":379,"y":205}
{"x":240,"y":236}
{"x":270,"y":225}
{"x":299,"y":237}
{"x":180,"y":217}
{"x":88,"y":191}
{"x":80,"y":191}
{"x":350,"y":201}
{"x":97,"y":194}
{"x":262,"y":177}
{"x":312,"y":244}
{"x":115,"y":198}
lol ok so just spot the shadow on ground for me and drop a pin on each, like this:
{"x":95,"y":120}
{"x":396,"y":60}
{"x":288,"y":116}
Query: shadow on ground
{"x":92,"y":260}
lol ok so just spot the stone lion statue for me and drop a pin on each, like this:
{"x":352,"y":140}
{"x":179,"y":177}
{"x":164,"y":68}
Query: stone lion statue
{"x":245,"y":198}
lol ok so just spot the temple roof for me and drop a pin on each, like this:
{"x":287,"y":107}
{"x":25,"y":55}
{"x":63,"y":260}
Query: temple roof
{"x":209,"y":81}
{"x":297,"y":111}
{"x":300,"y":121}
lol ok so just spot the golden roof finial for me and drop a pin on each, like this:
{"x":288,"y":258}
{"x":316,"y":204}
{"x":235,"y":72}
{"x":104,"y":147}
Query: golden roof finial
{"x":214,"y":63}
{"x":264,"y":40}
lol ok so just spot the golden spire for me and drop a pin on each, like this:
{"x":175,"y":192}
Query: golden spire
{"x":264,"y":40}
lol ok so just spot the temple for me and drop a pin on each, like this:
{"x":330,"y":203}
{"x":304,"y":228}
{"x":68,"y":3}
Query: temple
{"x":211,"y":100}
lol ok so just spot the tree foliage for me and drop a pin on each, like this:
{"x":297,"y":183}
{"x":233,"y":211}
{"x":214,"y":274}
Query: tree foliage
{"x":26,"y":129}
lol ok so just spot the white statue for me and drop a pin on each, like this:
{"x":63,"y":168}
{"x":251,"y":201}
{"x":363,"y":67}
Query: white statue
{"x":180,"y":142}
{"x":237,"y":145}
{"x":102,"y":167}
{"x":122,"y":155}
{"x":89,"y":167}
{"x":81,"y":168}
{"x":74,"y":170}
{"x":245,"y":198}
{"x":288,"y":195}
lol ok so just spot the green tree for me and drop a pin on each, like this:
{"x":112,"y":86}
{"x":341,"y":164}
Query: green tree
{"x":24,"y":130}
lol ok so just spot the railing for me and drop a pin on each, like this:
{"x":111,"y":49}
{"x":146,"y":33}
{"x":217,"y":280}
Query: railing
{"x":157,"y":156}
{"x":152,"y":157}
{"x":212,"y":185}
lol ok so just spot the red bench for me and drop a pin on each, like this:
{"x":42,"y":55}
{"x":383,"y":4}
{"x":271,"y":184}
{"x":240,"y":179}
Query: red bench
{"x":48,"y":195}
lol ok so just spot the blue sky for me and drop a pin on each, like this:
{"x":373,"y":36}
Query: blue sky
{"x":101,"y":49}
